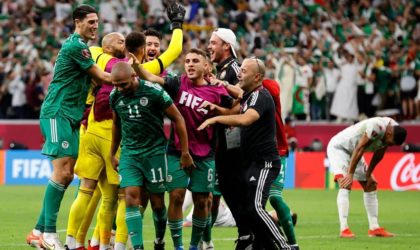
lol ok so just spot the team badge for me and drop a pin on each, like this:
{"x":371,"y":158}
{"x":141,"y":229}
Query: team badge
{"x":65,"y":145}
{"x":222,"y":75}
{"x":144,"y":101}
{"x":86,"y":53}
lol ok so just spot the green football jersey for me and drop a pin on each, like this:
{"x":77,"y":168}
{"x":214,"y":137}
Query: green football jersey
{"x":141,"y":118}
{"x":70,"y":84}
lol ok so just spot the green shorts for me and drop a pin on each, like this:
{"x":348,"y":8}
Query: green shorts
{"x":61,"y":137}
{"x":278,"y":184}
{"x":201,"y":179}
{"x":149,"y":172}
{"x":216,"y":191}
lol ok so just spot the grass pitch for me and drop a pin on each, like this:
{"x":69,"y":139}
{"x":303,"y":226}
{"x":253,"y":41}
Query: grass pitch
{"x":317,"y":226}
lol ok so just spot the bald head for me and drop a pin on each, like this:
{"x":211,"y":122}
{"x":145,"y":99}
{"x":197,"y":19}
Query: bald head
{"x":256,"y":65}
{"x":114,"y":44}
{"x":121,"y":71}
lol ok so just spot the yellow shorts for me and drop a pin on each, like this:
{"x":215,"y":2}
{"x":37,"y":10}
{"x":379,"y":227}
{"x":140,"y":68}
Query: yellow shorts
{"x":94,"y":157}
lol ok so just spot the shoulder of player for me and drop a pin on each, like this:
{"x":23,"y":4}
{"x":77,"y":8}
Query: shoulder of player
{"x":151,"y":86}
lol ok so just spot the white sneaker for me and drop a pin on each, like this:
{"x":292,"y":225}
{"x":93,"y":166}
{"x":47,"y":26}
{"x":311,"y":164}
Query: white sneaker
{"x":207,"y":245}
{"x":50,"y":241}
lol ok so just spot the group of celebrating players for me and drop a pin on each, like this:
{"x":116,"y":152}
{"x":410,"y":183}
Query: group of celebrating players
{"x":103,"y":119}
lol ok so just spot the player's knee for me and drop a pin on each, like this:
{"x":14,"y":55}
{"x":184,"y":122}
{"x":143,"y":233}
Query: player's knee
{"x":66,"y":177}
{"x":201,"y":204}
{"x":177,"y":197}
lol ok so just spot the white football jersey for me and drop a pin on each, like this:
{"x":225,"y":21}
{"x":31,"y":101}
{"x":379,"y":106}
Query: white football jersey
{"x":373,"y":127}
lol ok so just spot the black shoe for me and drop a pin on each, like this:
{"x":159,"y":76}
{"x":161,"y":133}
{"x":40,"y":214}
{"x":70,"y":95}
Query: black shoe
{"x":294,"y":218}
{"x":295,"y":247}
{"x":159,"y":246}
{"x":245,"y":244}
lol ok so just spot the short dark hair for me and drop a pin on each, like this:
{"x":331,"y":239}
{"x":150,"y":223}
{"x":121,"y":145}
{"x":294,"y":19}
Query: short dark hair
{"x":399,"y":135}
{"x":198,"y":52}
{"x":153,"y":32}
{"x":134,"y":41}
{"x":82,"y":11}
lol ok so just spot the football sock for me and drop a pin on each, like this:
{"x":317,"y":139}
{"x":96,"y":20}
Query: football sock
{"x":106,"y":212}
{"x":134,"y":225}
{"x":210,"y":222}
{"x":160,"y":218}
{"x":371,"y":204}
{"x":77,"y":211}
{"x":343,"y":204}
{"x":176,"y":231}
{"x":53,"y":196}
{"x":285,"y":220}
{"x":87,"y":218}
{"x":121,"y":234}
{"x":198,"y":226}
{"x":119,"y":246}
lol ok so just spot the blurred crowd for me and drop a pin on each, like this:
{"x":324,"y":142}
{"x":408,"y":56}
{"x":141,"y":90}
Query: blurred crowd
{"x":341,"y":60}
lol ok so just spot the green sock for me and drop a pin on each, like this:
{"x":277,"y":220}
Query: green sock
{"x":134,"y":226}
{"x":198,"y":226}
{"x":159,"y":219}
{"x":210,"y":222}
{"x":176,"y":231}
{"x":52,"y":201}
{"x":285,"y":220}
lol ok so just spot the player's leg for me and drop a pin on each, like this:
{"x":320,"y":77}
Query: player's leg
{"x":282,"y":209}
{"x":155,"y":169}
{"x":201,"y":185}
{"x":87,"y":220}
{"x":228,"y":167}
{"x":61,"y":145}
{"x":106,"y":213}
{"x":339,"y":161}
{"x":88,"y":167}
{"x":132,"y":180}
{"x":177,"y":182}
{"x":259,"y":177}
{"x":121,"y":234}
{"x":370,"y":199}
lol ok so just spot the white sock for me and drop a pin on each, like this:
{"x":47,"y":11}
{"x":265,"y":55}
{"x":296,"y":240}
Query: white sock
{"x":343,"y":204}
{"x":94,"y":242}
{"x":119,"y":246}
{"x":104,"y":247}
{"x":371,"y":205}
{"x":50,"y":235}
{"x":71,"y":242}
{"x":36,"y":232}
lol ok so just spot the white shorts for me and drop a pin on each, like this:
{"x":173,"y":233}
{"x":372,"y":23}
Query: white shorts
{"x":339,"y":160}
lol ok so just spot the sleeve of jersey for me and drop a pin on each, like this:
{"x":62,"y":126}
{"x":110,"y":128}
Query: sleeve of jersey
{"x":166,"y":100}
{"x":258,"y":102}
{"x":375,"y":130}
{"x":81,"y":55}
{"x":157,"y":66}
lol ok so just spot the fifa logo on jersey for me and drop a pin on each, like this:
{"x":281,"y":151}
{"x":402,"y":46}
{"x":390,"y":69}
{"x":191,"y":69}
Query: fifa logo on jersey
{"x":192,"y":101}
